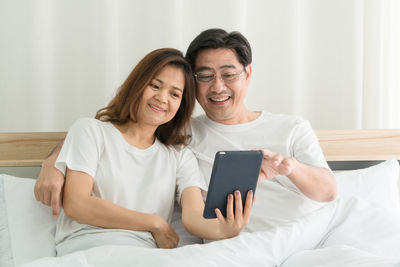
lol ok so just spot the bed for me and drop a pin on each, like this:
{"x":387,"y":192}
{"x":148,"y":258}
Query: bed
{"x":360,"y":228}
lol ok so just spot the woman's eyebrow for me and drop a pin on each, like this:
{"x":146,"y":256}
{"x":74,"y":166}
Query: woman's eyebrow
{"x":177,"y":88}
{"x":174,"y":87}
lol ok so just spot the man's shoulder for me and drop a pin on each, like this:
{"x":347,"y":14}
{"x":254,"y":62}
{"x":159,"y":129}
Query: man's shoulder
{"x":202,"y":118}
{"x":284,"y":117}
{"x":269,"y":119}
{"x":198,"y":123}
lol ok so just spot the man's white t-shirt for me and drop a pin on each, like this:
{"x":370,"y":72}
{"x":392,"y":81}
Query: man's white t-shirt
{"x":146,"y":180}
{"x":290,"y":136}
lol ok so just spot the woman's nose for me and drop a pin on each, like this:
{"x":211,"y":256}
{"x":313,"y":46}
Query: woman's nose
{"x":162,"y":96}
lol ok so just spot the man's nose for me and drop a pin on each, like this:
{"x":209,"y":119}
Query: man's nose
{"x":219,"y":84}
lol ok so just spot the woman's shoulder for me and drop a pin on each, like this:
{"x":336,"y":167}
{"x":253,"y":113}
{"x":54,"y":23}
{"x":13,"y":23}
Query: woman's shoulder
{"x":88,"y":123}
{"x":88,"y":126}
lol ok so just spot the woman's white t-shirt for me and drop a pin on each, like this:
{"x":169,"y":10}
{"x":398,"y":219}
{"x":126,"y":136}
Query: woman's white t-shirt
{"x":146,"y":180}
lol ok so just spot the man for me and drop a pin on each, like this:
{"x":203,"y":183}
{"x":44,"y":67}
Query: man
{"x":221,"y":62}
{"x":293,"y":162}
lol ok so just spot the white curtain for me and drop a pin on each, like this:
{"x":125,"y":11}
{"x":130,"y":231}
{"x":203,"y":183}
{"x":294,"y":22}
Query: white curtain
{"x":334,"y":62}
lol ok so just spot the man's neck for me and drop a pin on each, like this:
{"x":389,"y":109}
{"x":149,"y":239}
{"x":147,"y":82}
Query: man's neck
{"x":244,"y":117}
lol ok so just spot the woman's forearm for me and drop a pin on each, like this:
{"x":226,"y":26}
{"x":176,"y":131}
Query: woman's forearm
{"x":195,"y":224}
{"x":102,"y":213}
{"x":80,"y":205}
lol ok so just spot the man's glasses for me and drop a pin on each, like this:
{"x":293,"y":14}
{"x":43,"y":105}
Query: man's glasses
{"x":208,"y":77}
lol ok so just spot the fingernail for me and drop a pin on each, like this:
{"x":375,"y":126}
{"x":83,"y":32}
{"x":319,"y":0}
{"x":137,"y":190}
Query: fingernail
{"x":237,"y":192}
{"x":230,"y":196}
{"x":251,"y":192}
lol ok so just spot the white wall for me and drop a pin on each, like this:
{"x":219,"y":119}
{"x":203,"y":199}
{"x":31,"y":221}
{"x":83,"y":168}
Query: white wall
{"x":61,"y":60}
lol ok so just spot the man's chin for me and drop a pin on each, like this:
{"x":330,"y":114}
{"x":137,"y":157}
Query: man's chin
{"x":220,"y":117}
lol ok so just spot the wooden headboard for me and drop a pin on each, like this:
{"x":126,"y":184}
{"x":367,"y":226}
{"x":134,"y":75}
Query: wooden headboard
{"x":29,"y":149}
{"x":355,"y":149}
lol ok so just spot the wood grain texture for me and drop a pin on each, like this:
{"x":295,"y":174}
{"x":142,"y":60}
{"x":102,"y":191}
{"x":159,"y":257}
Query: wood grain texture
{"x":347,"y":145}
{"x":27,"y":149}
{"x":30,"y":149}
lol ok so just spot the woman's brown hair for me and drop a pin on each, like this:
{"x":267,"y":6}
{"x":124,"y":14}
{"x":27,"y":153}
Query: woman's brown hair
{"x":124,"y":106}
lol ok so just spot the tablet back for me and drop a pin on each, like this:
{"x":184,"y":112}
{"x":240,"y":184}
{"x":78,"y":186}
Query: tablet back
{"x":232,"y":170}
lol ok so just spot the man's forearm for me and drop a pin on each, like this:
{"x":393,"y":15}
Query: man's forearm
{"x":49,"y":184}
{"x":52,"y":157}
{"x":316,"y":183}
{"x":56,"y":151}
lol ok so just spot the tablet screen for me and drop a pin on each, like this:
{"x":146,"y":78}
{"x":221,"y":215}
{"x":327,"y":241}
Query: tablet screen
{"x":232,"y":170}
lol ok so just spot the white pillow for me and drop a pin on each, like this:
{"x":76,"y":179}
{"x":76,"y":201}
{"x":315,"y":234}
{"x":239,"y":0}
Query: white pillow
{"x":378,"y":184}
{"x":27,"y":226}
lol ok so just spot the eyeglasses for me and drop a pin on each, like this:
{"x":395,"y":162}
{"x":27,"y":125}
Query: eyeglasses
{"x":208,"y":77}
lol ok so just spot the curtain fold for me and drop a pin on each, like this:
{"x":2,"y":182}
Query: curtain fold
{"x":381,"y":71}
{"x":334,"y":62}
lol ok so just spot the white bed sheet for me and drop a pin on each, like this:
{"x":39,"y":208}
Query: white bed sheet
{"x":268,"y":248}
{"x":361,"y":228}
{"x":339,"y":255}
{"x":360,"y":234}
{"x":321,"y":238}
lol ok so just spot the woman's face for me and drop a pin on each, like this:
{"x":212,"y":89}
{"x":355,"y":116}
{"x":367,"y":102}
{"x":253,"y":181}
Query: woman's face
{"x":162,"y":97}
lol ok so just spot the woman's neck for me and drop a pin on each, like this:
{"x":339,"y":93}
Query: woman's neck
{"x":137,"y":135}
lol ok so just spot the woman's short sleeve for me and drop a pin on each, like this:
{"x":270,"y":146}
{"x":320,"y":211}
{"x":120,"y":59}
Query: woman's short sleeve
{"x":82,"y":147}
{"x":188,"y":173}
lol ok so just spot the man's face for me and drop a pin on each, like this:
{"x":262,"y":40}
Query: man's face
{"x":222,"y":98}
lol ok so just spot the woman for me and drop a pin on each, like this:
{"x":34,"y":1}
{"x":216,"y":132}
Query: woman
{"x":124,"y":168}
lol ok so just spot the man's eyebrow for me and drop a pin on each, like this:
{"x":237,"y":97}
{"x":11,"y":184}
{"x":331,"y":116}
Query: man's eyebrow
{"x":230,"y":66}
{"x":173,"y":87}
{"x":203,"y":68}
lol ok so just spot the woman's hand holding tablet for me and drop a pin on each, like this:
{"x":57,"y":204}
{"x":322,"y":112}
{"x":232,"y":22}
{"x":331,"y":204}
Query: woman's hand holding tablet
{"x":235,"y":221}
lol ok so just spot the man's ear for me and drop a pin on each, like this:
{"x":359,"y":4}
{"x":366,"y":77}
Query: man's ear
{"x":249,"y":70}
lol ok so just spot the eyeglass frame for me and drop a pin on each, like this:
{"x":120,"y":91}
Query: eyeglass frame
{"x":237,"y":75}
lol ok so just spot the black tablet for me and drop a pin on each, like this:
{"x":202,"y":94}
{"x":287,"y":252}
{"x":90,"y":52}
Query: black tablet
{"x":232,"y":170}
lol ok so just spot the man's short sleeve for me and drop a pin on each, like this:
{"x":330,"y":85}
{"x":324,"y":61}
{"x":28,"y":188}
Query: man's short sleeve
{"x":82,"y":147}
{"x":305,"y":146}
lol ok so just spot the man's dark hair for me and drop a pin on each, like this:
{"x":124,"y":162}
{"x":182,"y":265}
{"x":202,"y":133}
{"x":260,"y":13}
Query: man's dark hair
{"x":219,"y":38}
